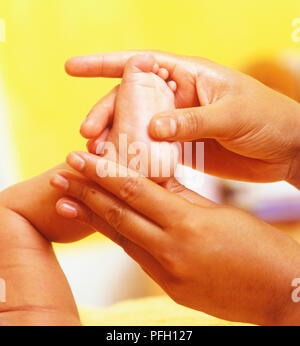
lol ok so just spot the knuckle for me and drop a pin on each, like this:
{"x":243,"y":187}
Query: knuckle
{"x":131,"y":189}
{"x":174,"y":264}
{"x":114,"y":215}
{"x":178,"y":269}
{"x":180,"y":222}
{"x":82,"y":192}
{"x":190,"y":124}
{"x":166,"y":258}
{"x":174,"y":186}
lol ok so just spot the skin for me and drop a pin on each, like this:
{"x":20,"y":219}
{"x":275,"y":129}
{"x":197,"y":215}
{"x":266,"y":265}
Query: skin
{"x":142,"y":93}
{"x":256,"y":288}
{"x":37,"y":290}
{"x":251,"y":132}
{"x":244,"y":125}
{"x":30,"y":223}
{"x":208,"y":257}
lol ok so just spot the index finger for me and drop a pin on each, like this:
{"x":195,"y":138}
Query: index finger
{"x":140,"y":193}
{"x":112,"y":64}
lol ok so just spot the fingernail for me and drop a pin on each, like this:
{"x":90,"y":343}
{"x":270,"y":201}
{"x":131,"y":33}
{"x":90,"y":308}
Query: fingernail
{"x":76,"y":162}
{"x":87,"y":122}
{"x":100,"y":148}
{"x":68,"y":210}
{"x":60,"y":182}
{"x":165,"y":127}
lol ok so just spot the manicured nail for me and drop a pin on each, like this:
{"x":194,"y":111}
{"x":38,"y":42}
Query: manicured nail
{"x":68,"y":210}
{"x":76,"y":162}
{"x":87,"y":122}
{"x":60,"y":182}
{"x":100,"y":148}
{"x":165,"y":127}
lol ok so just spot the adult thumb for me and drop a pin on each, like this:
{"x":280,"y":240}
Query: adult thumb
{"x":187,"y":124}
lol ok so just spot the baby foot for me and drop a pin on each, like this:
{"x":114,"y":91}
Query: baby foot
{"x":144,"y":92}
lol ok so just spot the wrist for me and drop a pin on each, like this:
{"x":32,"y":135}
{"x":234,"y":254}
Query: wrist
{"x":286,"y":307}
{"x":291,"y":316}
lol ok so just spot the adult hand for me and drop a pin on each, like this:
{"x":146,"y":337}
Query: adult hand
{"x":251,"y":132}
{"x":216,"y":259}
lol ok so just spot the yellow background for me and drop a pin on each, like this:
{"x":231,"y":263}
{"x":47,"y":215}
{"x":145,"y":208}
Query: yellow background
{"x":46,"y":107}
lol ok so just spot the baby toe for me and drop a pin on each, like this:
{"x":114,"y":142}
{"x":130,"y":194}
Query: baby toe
{"x":163,"y":73}
{"x":172,"y":85}
{"x":155,"y":68}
